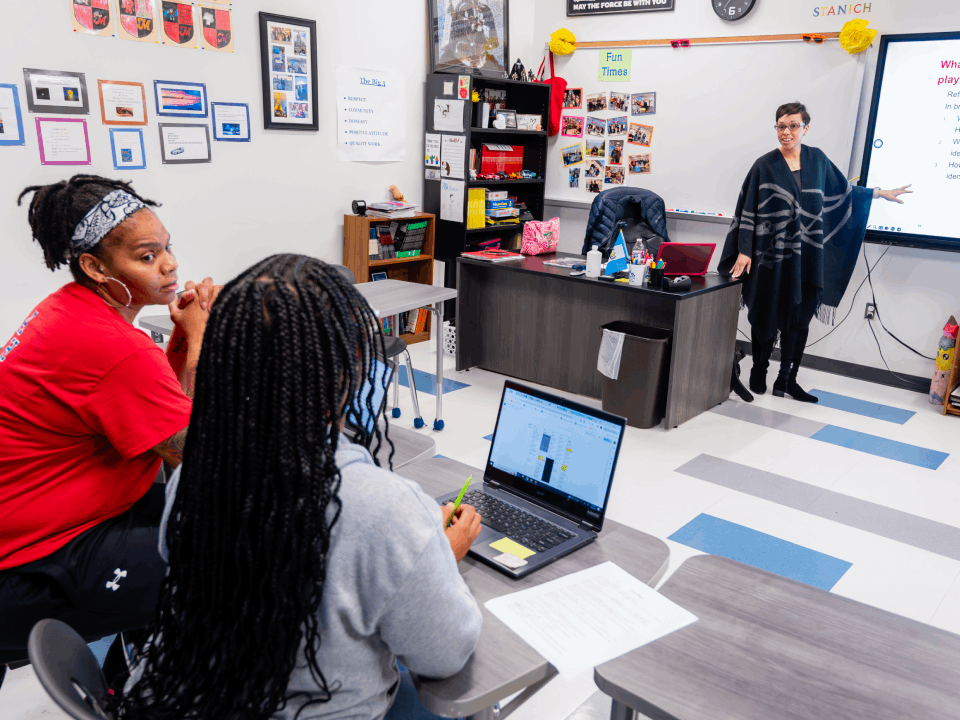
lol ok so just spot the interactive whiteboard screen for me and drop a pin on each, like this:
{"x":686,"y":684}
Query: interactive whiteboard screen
{"x":914,"y":137}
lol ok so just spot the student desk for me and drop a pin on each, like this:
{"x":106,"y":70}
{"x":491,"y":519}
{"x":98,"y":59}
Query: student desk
{"x":386,"y":298}
{"x":536,"y":323}
{"x":769,"y":648}
{"x":502,"y":663}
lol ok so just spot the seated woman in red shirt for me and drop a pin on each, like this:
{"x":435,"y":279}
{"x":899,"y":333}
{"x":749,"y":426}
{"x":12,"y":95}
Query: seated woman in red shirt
{"x":89,"y":407}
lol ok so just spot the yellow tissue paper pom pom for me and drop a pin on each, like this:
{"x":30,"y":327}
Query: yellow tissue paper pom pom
{"x":563,"y":42}
{"x":855,"y":37}
{"x":475,"y":97}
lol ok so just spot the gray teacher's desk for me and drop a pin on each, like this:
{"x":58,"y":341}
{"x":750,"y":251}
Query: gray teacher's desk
{"x":769,"y":648}
{"x":503,"y":664}
{"x":536,"y":323}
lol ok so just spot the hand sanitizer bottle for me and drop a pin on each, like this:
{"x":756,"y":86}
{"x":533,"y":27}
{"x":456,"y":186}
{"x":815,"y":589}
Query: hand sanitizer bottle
{"x":594,"y":258}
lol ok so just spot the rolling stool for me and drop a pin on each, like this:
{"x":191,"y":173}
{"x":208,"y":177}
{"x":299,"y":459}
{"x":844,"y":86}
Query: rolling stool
{"x":393,"y":347}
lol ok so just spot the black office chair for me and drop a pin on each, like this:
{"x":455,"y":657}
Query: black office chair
{"x":68,"y":670}
{"x":393,"y":347}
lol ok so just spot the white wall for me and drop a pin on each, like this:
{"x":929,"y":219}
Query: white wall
{"x":916,"y":289}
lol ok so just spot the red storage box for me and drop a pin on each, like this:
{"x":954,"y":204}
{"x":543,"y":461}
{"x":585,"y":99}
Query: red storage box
{"x":501,"y":158}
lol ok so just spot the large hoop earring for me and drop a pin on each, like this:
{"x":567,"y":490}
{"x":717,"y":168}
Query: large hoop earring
{"x":129,"y":296}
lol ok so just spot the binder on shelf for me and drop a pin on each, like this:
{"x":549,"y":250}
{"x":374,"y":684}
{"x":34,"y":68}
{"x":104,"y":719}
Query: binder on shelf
{"x":496,"y":158}
{"x":476,"y":199}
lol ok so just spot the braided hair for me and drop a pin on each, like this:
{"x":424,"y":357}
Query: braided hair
{"x":288,"y":345}
{"x":56,"y":210}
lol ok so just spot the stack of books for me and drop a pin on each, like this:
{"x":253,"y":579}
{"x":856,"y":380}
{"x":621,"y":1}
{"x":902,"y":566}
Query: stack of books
{"x":392,"y":209}
{"x":476,"y":208}
{"x":408,"y":237}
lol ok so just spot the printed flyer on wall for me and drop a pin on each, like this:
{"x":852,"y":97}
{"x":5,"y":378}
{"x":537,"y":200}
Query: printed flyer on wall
{"x":371,"y":115}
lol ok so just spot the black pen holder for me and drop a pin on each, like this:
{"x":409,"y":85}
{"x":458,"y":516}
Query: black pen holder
{"x":655,"y":278}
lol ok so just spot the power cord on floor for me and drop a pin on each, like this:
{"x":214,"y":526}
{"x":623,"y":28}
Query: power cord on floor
{"x":877,"y":311}
{"x":910,"y":383}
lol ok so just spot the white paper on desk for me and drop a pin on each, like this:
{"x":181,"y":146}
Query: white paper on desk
{"x":589,"y":617}
{"x":447,"y":115}
{"x":451,"y":200}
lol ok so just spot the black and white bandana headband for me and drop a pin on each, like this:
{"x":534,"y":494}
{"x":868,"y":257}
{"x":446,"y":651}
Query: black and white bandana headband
{"x":104,"y":217}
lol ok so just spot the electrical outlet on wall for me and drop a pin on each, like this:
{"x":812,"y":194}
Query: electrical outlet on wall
{"x":871,"y":312}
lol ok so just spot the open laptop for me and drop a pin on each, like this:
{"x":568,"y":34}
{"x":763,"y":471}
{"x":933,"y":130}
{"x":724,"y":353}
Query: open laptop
{"x":686,"y":258}
{"x":547,"y":480}
{"x":358,"y":416}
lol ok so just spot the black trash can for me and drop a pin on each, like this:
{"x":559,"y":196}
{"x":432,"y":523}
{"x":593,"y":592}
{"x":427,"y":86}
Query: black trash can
{"x":640,"y":391}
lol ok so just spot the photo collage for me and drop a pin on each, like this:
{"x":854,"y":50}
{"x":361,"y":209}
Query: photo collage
{"x":614,"y":145}
{"x":290,"y":73}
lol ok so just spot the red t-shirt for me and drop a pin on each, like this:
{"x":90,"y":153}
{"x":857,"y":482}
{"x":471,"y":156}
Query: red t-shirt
{"x":84,"y":396}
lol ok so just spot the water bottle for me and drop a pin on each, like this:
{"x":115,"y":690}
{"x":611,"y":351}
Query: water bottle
{"x":594,"y":258}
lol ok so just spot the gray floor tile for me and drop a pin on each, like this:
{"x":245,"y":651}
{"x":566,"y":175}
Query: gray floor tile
{"x":769,"y":418}
{"x":745,"y":479}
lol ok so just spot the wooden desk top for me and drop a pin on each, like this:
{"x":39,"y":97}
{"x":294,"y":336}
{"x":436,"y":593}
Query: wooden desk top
{"x":769,"y":648}
{"x":503,"y":663}
{"x":534,"y":264}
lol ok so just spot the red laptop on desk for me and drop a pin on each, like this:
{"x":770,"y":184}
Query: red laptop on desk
{"x":686,"y":258}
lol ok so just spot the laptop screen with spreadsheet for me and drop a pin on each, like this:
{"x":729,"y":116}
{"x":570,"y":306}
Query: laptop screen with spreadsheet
{"x":555,"y":452}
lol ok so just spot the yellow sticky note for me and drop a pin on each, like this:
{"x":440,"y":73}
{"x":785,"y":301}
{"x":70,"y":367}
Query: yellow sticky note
{"x":514,"y":548}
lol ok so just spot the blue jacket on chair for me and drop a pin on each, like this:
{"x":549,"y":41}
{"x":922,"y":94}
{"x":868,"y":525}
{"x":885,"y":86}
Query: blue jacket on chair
{"x":611,"y":206}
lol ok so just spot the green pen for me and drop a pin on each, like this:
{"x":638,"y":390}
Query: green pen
{"x":463,"y":491}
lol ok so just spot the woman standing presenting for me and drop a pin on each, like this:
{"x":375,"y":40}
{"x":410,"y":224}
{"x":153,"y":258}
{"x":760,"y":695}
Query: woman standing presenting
{"x":797,"y":230}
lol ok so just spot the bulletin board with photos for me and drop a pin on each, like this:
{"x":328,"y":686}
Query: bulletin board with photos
{"x":288,"y":54}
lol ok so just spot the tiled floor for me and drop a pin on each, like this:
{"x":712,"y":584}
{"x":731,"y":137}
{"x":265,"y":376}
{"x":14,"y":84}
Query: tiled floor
{"x":877,"y":498}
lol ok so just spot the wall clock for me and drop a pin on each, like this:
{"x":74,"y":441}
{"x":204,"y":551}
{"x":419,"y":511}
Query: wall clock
{"x":732,"y":9}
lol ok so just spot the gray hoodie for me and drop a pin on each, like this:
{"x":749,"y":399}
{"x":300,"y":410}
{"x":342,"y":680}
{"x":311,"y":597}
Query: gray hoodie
{"x":392,"y":593}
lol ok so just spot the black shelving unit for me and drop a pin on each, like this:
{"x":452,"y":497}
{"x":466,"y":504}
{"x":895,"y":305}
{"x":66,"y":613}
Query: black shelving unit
{"x":526,"y":98}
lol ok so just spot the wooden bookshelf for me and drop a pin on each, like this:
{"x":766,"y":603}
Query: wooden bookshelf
{"x":419,"y":269}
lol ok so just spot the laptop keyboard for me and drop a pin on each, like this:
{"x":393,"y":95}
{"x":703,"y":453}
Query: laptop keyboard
{"x":518,"y":525}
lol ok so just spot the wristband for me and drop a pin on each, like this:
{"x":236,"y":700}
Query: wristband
{"x":876,"y":193}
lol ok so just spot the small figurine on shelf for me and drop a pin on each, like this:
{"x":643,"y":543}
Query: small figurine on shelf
{"x":530,"y":75}
{"x":517,"y":72}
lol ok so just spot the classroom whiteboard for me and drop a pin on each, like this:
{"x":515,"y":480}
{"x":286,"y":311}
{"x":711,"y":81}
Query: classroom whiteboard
{"x":715,"y":111}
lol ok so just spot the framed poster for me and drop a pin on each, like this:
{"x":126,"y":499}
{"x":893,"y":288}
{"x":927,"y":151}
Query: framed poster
{"x":138,"y":21}
{"x":231,"y":122}
{"x":126,"y":146}
{"x":63,"y":141}
{"x":56,"y":91}
{"x":469,"y":37}
{"x":180,"y":99}
{"x":288,"y":69}
{"x":11,"y":121}
{"x":92,"y":17}
{"x":181,"y":144}
{"x":179,"y":24}
{"x":122,"y":103}
{"x":216,"y":28}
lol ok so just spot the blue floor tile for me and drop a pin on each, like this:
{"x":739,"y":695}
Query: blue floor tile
{"x":881,"y":447}
{"x":438,"y":455}
{"x":863,"y":407}
{"x":488,"y":437}
{"x":427,"y":382}
{"x":720,"y":537}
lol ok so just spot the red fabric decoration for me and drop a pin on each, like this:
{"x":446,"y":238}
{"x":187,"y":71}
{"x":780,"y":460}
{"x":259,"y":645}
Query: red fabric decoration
{"x":557,"y":88}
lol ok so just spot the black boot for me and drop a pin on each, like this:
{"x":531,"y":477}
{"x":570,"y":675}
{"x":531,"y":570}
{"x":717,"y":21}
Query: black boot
{"x":758,"y":378}
{"x":787,"y":384}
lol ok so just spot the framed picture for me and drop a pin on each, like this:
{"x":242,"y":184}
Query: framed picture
{"x":122,"y":103}
{"x":469,"y":36}
{"x":182,"y":144}
{"x":11,"y":121}
{"x":378,"y":276}
{"x":288,"y":70}
{"x":509,"y":118}
{"x":126,"y":146}
{"x":63,"y":141}
{"x":56,"y":91}
{"x":180,"y":99}
{"x":231,"y":122}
